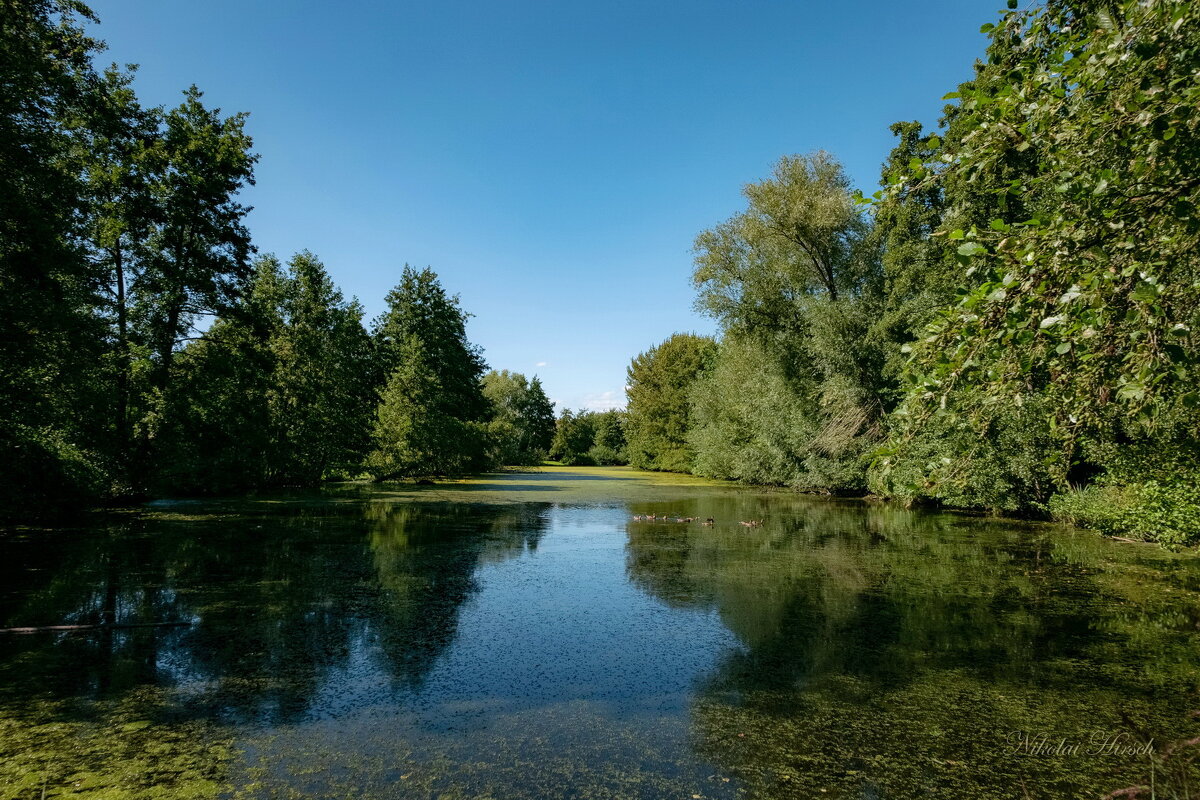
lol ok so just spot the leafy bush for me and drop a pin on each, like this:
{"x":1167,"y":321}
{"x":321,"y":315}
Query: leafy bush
{"x":605,"y":456}
{"x":1167,"y":513}
{"x":1009,"y":464}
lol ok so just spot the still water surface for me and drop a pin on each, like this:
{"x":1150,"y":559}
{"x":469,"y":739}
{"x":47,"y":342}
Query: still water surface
{"x":522,"y":636}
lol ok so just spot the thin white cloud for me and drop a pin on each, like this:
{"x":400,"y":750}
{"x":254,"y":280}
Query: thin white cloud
{"x":540,"y":364}
{"x":604,"y":401}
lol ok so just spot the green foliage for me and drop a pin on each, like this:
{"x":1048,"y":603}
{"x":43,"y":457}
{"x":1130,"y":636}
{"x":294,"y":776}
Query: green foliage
{"x":47,"y":471}
{"x":1017,"y":317}
{"x":574,"y":437}
{"x":798,"y":391}
{"x":799,"y":236}
{"x":278,"y":393}
{"x":432,"y":413}
{"x":51,"y":341}
{"x":586,"y":438}
{"x":215,"y":435}
{"x":411,"y":434}
{"x":1079,"y":236}
{"x":121,"y":236}
{"x":322,"y":394}
{"x":196,"y":254}
{"x":522,"y":425}
{"x":609,"y":447}
{"x":1012,"y":328}
{"x":1147,"y":487}
{"x":1148,"y":510}
{"x":747,"y":420}
{"x":657,"y":418}
{"x":1011,"y":466}
{"x":420,"y":307}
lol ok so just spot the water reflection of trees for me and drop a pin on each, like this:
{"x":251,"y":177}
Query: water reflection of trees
{"x":278,"y":599}
{"x":888,"y":653}
{"x":425,"y":557}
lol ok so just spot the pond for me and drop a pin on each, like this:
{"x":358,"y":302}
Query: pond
{"x":523,"y":635}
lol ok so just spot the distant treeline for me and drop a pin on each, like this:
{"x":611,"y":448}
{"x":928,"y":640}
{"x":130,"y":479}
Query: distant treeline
{"x":143,"y":348}
{"x":1010,"y":323}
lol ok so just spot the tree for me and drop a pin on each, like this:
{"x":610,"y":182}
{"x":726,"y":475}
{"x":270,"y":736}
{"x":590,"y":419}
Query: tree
{"x":799,"y":237}
{"x":609,"y":444}
{"x":218,"y":432}
{"x":51,"y":339}
{"x":277,"y":392}
{"x":522,"y":424}
{"x":1078,"y":241}
{"x":540,"y":413}
{"x":411,"y":434}
{"x":921,"y":276}
{"x":197,"y":262}
{"x":574,"y":435}
{"x":432,"y":409}
{"x":587,"y":438}
{"x":761,"y":436}
{"x":658,"y":415}
{"x":794,"y":280}
{"x":420,"y":306}
{"x":322,"y":393}
{"x":116,"y":183}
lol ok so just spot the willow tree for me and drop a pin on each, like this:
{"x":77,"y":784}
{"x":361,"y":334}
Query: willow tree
{"x":797,"y":238}
{"x":795,"y":277}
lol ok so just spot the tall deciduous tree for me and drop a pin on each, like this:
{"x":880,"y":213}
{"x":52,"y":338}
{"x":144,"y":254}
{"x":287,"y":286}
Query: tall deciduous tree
{"x":217,"y":431}
{"x":796,"y":279}
{"x":797,"y":238}
{"x":1069,"y":167}
{"x":121,"y":213}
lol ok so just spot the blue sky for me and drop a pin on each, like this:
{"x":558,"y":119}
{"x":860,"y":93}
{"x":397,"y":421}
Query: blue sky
{"x":551,"y":160}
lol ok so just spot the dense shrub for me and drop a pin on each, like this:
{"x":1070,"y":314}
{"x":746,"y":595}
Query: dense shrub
{"x":1165,"y":513}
